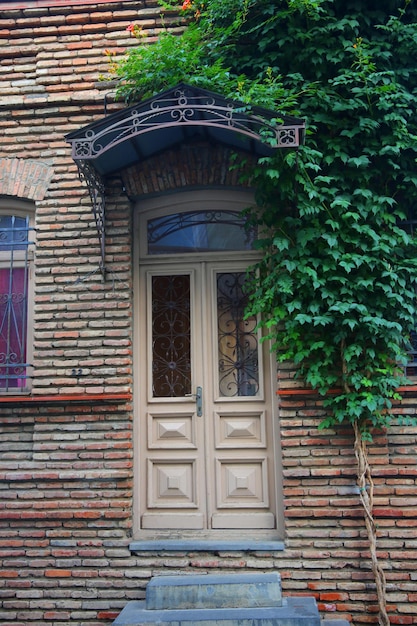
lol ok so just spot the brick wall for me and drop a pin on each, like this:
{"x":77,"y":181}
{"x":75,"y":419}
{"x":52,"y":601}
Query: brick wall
{"x":325,"y":522}
{"x":66,"y":465}
{"x":65,"y":518}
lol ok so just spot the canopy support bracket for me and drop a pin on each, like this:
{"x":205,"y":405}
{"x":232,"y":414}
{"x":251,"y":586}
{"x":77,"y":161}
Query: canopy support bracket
{"x":97,"y":190}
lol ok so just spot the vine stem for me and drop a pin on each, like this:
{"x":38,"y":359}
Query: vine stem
{"x":366,"y":494}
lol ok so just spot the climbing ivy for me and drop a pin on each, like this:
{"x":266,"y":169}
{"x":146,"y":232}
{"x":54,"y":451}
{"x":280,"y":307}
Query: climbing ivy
{"x":336,"y":286}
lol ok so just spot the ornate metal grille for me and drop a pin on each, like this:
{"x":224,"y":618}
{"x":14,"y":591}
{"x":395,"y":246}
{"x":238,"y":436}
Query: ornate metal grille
{"x":15,"y":249}
{"x":238,"y":354}
{"x":171,"y":336}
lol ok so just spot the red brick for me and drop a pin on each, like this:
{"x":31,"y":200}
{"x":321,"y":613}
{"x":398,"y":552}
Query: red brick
{"x":333,"y":597}
{"x":5,"y":573}
{"x":107,"y":615}
{"x":58,"y":573}
{"x":81,"y":45}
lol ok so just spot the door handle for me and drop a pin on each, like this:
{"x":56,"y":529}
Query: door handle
{"x":198,"y":395}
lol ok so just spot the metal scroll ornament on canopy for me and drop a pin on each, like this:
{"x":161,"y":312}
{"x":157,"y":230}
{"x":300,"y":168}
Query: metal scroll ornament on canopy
{"x":176,"y":116}
{"x":186,"y":108}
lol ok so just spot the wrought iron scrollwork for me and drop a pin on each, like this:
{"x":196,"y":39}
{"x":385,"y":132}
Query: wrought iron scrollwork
{"x":97,"y":190}
{"x":187,"y":106}
{"x":171,"y":336}
{"x":237,"y":339}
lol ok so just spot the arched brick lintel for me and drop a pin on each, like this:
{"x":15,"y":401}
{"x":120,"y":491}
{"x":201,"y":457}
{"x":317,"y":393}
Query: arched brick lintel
{"x":189,"y":165}
{"x":24,"y":178}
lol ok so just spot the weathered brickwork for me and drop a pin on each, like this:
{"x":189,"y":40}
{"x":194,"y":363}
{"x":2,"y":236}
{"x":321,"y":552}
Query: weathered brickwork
{"x":324,"y":520}
{"x":24,"y":178}
{"x":66,"y":451}
{"x":190,"y":166}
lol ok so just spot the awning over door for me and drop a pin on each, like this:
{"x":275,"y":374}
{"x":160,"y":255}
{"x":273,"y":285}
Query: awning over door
{"x":181,"y":114}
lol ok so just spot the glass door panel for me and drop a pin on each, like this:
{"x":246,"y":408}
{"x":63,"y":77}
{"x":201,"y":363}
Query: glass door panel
{"x":171,"y":336}
{"x":237,"y":339}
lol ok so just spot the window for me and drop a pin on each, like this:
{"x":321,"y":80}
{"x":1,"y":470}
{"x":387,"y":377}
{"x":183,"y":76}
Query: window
{"x":199,"y":231}
{"x":16,"y":258}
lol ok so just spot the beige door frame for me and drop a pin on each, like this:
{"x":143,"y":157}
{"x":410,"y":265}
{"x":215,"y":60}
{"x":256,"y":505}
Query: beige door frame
{"x":209,"y":451}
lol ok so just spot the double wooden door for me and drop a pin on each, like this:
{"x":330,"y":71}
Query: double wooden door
{"x":206,"y":438}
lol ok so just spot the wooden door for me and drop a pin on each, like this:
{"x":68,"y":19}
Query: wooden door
{"x":206,"y":434}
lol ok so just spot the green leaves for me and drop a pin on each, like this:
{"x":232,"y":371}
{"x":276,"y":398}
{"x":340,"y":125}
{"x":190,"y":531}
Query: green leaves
{"x":361,"y":161}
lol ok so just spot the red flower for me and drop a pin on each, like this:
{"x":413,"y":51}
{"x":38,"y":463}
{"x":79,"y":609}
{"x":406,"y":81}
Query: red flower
{"x":186,"y":5}
{"x":131,"y":28}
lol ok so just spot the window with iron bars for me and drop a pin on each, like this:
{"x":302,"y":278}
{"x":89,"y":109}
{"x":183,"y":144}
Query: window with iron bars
{"x":16,"y":258}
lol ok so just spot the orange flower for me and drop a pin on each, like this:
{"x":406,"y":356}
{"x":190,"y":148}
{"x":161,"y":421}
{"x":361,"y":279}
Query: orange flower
{"x":130,"y":28}
{"x":186,"y":5}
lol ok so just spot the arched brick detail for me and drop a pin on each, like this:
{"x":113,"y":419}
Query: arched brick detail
{"x":24,"y":178}
{"x":190,"y":165}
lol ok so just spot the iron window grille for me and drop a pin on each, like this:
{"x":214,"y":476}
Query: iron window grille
{"x":16,"y":256}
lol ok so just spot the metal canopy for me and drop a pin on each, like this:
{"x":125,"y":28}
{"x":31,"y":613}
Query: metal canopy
{"x":179,"y":115}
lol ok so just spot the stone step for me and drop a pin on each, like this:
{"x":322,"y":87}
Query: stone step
{"x":214,"y":591}
{"x":293,"y":612}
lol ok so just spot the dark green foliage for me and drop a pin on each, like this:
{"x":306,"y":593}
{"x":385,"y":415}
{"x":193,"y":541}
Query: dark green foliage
{"x":336,"y":287}
{"x":339,"y":274}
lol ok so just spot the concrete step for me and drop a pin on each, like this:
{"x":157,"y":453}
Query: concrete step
{"x":214,"y":591}
{"x":293,"y":612}
{"x":218,"y":600}
{"x":221,"y":600}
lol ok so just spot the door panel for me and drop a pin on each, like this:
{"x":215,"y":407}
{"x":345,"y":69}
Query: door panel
{"x":171,"y":459}
{"x":176,"y":431}
{"x":214,"y":468}
{"x":234,"y":428}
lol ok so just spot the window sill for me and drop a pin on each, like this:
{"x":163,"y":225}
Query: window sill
{"x":59,"y":398}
